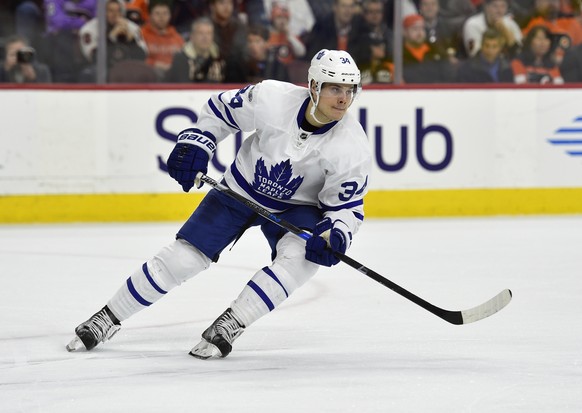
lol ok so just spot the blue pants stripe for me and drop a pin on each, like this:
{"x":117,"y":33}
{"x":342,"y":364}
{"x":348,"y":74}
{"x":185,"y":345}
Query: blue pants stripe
{"x":136,"y":295}
{"x":261,"y":294}
{"x":144,"y":268}
{"x":271,"y":274}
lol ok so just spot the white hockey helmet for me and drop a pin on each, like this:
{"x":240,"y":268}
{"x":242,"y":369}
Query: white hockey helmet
{"x":333,"y":66}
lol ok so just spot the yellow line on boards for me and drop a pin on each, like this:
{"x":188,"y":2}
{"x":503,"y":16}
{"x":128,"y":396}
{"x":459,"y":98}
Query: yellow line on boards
{"x":473,"y":202}
{"x":378,"y":204}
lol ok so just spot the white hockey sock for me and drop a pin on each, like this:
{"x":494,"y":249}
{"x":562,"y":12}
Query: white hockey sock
{"x":261,"y":295}
{"x":139,"y":291}
{"x":272,"y":285}
{"x":173,"y":265}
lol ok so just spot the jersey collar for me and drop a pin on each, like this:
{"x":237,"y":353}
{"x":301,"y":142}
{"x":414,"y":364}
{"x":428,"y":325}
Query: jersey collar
{"x":301,"y":116}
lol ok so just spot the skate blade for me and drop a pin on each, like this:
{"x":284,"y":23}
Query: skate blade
{"x":205,"y":350}
{"x":75,"y":344}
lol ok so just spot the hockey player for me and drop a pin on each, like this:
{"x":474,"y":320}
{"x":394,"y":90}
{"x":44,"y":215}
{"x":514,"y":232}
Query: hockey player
{"x":308,"y":160}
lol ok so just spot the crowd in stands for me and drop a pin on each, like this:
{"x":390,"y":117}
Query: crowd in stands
{"x":245,"y":41}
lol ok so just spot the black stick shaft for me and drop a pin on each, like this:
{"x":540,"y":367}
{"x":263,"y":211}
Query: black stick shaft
{"x":453,"y":317}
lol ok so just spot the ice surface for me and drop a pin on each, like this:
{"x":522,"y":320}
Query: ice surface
{"x":342,"y":343}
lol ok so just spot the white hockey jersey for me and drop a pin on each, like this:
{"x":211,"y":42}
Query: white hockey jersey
{"x":280,"y":164}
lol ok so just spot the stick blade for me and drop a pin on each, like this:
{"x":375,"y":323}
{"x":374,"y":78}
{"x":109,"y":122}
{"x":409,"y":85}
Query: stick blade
{"x":488,"y":308}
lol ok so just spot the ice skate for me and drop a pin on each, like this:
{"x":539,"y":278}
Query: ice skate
{"x":99,"y":328}
{"x":218,"y":338}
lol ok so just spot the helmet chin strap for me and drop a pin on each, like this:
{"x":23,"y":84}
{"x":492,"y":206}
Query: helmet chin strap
{"x":315,"y":103}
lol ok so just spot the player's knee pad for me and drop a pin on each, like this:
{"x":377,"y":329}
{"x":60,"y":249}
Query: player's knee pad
{"x":176,"y":263}
{"x":293,"y":269}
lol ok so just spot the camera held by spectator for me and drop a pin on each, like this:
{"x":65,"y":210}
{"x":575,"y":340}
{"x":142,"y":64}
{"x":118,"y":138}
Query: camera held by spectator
{"x":25,"y":55}
{"x":20,"y":65}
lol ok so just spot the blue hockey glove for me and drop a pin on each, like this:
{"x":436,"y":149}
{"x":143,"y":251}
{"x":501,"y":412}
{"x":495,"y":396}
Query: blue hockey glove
{"x":190,"y":156}
{"x":326,"y":240}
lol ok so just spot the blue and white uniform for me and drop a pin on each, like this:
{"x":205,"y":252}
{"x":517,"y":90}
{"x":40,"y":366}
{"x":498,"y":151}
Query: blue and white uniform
{"x":301,"y":175}
{"x":314,"y":178}
{"x":281,"y":165}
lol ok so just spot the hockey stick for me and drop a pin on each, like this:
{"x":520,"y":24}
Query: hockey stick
{"x":454,"y":317}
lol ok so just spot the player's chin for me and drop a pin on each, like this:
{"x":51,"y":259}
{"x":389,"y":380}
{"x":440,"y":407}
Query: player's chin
{"x":337,"y":114}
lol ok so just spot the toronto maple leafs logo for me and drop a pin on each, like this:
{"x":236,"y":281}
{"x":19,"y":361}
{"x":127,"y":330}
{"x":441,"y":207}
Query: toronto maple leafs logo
{"x":277,"y":182}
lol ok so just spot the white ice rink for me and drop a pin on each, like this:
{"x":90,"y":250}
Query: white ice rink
{"x":342,"y":343}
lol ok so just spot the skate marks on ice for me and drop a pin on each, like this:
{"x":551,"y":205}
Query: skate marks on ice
{"x":341,"y":343}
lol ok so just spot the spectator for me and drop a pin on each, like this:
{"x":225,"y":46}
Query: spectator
{"x":522,"y":11}
{"x":251,"y":12}
{"x":61,"y":46}
{"x":379,"y":68}
{"x":161,"y":38}
{"x":489,"y":65}
{"x":571,"y":67}
{"x":124,"y":41}
{"x":370,"y":32}
{"x":185,"y":12}
{"x":138,"y":11}
{"x":494,"y":15}
{"x":261,"y":61}
{"x":408,"y":7}
{"x":301,"y":18}
{"x":288,"y":46}
{"x":29,"y":21}
{"x":420,"y":62}
{"x":456,"y":12}
{"x":567,"y":30}
{"x":199,"y":60}
{"x":229,"y":31}
{"x":7,"y":26}
{"x":20,"y":65}
{"x":332,"y":31}
{"x":535,"y":64}
{"x":321,"y":8}
{"x":441,"y":35}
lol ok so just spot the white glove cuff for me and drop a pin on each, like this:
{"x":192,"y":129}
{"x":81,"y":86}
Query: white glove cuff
{"x":345,"y":230}
{"x":195,"y":137}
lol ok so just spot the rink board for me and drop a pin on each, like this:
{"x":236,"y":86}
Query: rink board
{"x":98,"y":154}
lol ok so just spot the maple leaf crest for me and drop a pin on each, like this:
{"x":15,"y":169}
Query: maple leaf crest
{"x":278,"y":182}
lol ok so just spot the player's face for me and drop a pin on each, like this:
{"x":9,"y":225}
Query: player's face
{"x":334,"y":101}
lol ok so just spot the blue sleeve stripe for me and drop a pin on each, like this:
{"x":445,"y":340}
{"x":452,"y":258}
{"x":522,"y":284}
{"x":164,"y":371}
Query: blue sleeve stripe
{"x":261,"y":199}
{"x":344,"y":206}
{"x":261,"y":294}
{"x":218,"y":114}
{"x":136,"y":295}
{"x":227,"y":111}
{"x":271,"y":274}
{"x":144,"y":268}
{"x":358,"y":215}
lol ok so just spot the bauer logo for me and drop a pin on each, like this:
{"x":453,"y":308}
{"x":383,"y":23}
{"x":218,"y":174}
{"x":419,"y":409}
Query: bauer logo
{"x":569,"y":138}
